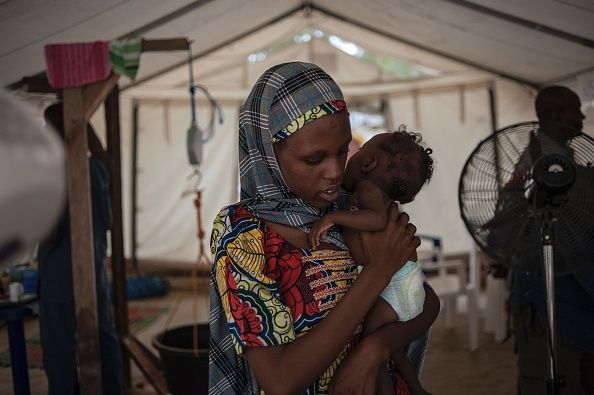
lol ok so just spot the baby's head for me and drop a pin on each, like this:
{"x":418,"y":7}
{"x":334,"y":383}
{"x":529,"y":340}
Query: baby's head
{"x":396,"y":162}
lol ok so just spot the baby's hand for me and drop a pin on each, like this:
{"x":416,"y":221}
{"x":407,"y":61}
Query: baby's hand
{"x":319,"y":230}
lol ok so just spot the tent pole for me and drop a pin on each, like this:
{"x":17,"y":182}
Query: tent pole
{"x":493,"y":113}
{"x":133,"y":186}
{"x":417,"y":109}
{"x":118,"y":263}
{"x":81,"y":243}
{"x":386,"y":110}
{"x":523,"y":22}
{"x":198,"y":55}
{"x":165,"y":19}
{"x":568,"y":76}
{"x":376,"y":30}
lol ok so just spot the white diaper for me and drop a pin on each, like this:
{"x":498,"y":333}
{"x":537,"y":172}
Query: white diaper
{"x":405,"y":292}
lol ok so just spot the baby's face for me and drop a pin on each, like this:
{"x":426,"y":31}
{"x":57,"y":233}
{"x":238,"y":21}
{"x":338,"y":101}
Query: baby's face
{"x":400,"y":176}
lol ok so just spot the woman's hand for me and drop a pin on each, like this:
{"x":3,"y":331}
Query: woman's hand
{"x":388,"y":250}
{"x":357,"y":374}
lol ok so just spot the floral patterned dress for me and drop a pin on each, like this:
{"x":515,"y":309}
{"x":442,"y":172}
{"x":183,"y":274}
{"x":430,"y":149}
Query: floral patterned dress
{"x":272,"y":292}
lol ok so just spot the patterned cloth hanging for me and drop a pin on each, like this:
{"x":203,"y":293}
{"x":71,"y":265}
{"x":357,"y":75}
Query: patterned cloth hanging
{"x":124,"y":56}
{"x":76,"y":64}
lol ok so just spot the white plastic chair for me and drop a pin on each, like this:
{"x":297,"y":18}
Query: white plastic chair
{"x":449,"y":280}
{"x":495,"y":312}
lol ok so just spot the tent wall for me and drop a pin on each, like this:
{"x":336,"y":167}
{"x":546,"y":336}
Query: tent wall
{"x":166,"y":220}
{"x":440,"y":35}
{"x":452,"y":123}
{"x":166,"y":216}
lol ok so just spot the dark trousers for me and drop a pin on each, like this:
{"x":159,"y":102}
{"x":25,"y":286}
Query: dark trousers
{"x":57,"y":327}
{"x":576,"y":366}
{"x":58,"y":339}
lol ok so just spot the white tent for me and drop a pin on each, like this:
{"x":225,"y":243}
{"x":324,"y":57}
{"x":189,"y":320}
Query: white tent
{"x":430,"y":64}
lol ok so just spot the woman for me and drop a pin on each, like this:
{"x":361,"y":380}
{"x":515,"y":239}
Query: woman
{"x":282,"y":320}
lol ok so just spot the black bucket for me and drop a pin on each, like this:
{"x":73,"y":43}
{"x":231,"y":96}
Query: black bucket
{"x":185,"y":372}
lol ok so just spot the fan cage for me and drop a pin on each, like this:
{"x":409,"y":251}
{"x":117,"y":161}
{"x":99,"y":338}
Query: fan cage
{"x":495,"y":205}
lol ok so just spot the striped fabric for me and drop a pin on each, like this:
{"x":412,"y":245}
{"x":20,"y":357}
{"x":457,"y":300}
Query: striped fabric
{"x":417,"y":350}
{"x":227,"y":369}
{"x":283,"y":94}
{"x":76,"y":64}
{"x":124,"y":56}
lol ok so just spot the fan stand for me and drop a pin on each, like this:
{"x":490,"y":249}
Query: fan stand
{"x":554,"y":382}
{"x":553,"y":175}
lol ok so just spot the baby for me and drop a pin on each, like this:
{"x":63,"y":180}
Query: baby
{"x":389,"y":167}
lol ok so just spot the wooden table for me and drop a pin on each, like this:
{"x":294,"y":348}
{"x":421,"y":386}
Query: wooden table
{"x":13,"y":314}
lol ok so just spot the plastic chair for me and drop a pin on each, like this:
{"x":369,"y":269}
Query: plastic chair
{"x":449,"y":278}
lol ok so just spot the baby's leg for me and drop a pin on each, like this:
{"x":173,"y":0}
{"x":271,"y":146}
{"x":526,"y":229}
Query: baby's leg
{"x":383,"y":313}
{"x":380,"y":314}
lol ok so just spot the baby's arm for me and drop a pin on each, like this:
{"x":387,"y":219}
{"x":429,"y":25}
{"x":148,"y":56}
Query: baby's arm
{"x":372,"y":214}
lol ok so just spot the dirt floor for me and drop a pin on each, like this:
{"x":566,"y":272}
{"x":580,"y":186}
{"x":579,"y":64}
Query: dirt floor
{"x":450,"y":368}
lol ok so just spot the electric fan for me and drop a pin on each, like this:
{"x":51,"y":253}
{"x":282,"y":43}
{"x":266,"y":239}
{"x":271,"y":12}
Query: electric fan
{"x":526,"y":196}
{"x":33,"y":179}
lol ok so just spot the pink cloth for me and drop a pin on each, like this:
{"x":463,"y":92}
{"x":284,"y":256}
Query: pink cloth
{"x":76,"y":64}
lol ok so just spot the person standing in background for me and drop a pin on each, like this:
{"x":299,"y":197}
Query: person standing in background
{"x":57,"y":320}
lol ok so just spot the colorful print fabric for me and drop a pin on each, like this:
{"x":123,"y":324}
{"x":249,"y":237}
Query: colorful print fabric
{"x":272,"y":292}
{"x":332,"y":107}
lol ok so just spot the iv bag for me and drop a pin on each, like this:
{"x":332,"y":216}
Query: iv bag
{"x":195,"y":145}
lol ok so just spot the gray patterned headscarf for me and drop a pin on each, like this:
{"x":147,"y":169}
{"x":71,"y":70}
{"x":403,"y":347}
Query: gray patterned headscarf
{"x":283,"y":100}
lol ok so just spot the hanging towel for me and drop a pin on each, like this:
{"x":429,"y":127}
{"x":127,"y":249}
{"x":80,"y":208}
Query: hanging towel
{"x":124,"y":56}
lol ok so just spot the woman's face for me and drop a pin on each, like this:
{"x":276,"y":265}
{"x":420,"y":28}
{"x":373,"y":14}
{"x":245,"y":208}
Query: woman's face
{"x":312,"y":160}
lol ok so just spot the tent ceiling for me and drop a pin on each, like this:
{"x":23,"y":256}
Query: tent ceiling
{"x":228,"y":75}
{"x":442,"y":27}
{"x":26,"y":26}
{"x":578,"y":20}
{"x":477,"y":38}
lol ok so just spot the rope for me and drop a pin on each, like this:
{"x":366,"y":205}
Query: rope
{"x":202,"y":259}
{"x":171,"y":315}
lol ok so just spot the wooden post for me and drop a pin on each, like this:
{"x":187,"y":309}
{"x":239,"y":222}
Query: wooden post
{"x":94,"y":94}
{"x":118,"y":263}
{"x":133,"y":186}
{"x":167,"y":44}
{"x":81,"y":240}
{"x":493,"y":112}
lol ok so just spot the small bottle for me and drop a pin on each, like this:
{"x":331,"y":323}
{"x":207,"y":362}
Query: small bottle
{"x":16,"y":292}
